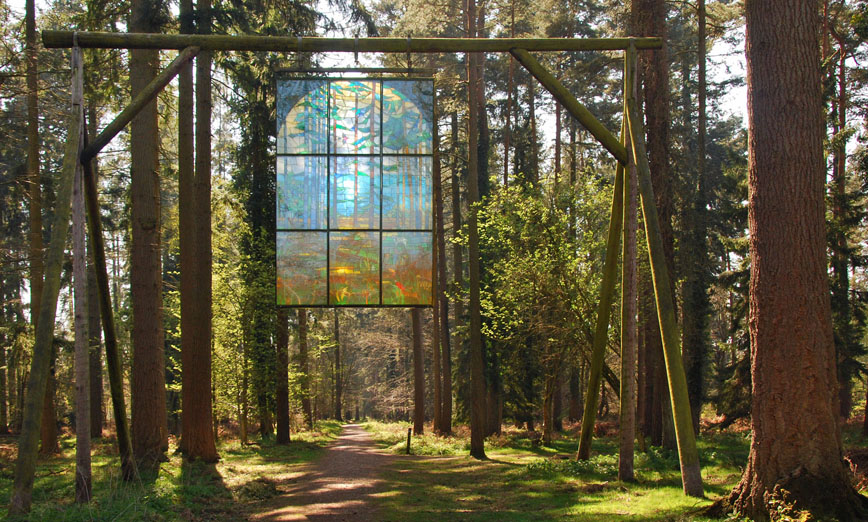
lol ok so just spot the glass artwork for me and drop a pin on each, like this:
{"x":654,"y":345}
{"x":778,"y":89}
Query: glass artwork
{"x":353,"y":204}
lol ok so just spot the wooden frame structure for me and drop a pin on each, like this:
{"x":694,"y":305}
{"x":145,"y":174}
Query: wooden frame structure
{"x":78,"y":154}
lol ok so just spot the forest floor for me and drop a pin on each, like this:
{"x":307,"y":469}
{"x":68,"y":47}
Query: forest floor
{"x":351,"y":473}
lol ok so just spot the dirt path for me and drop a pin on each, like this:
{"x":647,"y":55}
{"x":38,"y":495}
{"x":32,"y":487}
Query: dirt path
{"x":336,"y":487}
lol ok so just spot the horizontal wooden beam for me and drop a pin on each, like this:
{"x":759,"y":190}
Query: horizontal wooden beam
{"x":216,"y":42}
{"x":579,"y":111}
{"x":149,"y":93}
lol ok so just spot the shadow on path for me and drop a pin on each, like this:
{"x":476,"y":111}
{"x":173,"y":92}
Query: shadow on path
{"x":336,"y":487}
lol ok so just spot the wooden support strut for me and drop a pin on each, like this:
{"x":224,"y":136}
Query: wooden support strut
{"x":579,"y":111}
{"x":604,"y":309}
{"x":685,"y":437}
{"x":113,"y":363}
{"x":216,"y":42}
{"x":149,"y":93}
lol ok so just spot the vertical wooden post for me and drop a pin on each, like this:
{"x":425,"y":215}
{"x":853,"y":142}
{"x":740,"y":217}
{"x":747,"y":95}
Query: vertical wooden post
{"x":25,"y":465}
{"x":82,"y":359}
{"x":604,"y":309}
{"x":685,"y":437}
{"x":629,"y":333}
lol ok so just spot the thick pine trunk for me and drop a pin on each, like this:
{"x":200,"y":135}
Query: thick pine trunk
{"x":458,"y":288}
{"x":418,"y":374}
{"x":796,"y":442}
{"x":148,"y":383}
{"x":281,"y":393}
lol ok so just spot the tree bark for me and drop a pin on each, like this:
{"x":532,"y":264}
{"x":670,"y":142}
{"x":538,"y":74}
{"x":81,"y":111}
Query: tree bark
{"x":4,"y":395}
{"x":282,"y":386}
{"x":304,"y":368}
{"x":82,"y":357}
{"x":458,"y":288}
{"x":796,"y":451}
{"x":148,"y":384}
{"x":418,"y":374}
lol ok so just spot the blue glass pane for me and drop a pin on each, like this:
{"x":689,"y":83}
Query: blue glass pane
{"x":302,"y":125}
{"x":354,"y":268}
{"x":301,"y":268}
{"x":406,"y":192}
{"x":355,"y":192}
{"x":407,"y":116}
{"x":301,"y":192}
{"x":355,"y":119}
{"x":407,"y":260}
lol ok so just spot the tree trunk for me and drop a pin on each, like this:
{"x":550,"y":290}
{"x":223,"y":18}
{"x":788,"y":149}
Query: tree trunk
{"x":796,"y":443}
{"x":282,"y":386}
{"x":477,"y":376}
{"x":339,"y":384}
{"x":304,"y":368}
{"x":629,"y":326}
{"x":93,"y":326}
{"x":458,"y":288}
{"x":696,"y":303}
{"x":4,"y":412}
{"x":435,"y":344}
{"x":197,"y":430}
{"x":418,"y":374}
{"x":82,"y":357}
{"x":148,"y":386}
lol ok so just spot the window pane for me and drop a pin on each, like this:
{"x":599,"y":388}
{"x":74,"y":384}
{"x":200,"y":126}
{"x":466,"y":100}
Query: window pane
{"x":354,"y":268}
{"x":301,"y":192}
{"x":302,"y":126}
{"x":407,"y":262}
{"x":406,"y":192}
{"x":301,"y":268}
{"x":407,"y":110}
{"x":355,"y":119}
{"x":355,"y":192}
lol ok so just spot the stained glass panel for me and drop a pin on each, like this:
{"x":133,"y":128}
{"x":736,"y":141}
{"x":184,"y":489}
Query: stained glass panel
{"x":354,"y":268}
{"x":353,"y":204}
{"x":302,"y":125}
{"x":301,"y":192}
{"x":407,"y":192}
{"x":407,"y":110}
{"x":301,"y":268}
{"x":355,"y":118}
{"x":407,"y":268}
{"x":355,"y":192}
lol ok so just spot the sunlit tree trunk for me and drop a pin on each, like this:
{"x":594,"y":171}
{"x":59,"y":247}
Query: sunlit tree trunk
{"x":629,"y":326}
{"x":796,"y":441}
{"x":304,"y":368}
{"x":94,"y":322}
{"x":81,"y":358}
{"x":339,"y":380}
{"x":458,"y":287}
{"x":148,"y":383}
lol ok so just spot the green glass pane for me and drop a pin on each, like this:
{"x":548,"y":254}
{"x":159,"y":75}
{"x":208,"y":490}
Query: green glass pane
{"x":302,"y":123}
{"x":407,"y":115}
{"x":301,"y":268}
{"x":406,"y":192}
{"x":407,"y":262}
{"x":301,"y":192}
{"x":354,"y":117}
{"x":354,"y":268}
{"x":355,"y":192}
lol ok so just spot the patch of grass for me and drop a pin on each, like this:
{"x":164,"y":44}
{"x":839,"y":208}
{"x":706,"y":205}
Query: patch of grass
{"x":524,"y":481}
{"x":182,"y":491}
{"x":393,"y":437}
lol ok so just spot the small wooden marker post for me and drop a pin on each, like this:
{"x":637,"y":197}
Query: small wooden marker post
{"x":409,"y":433}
